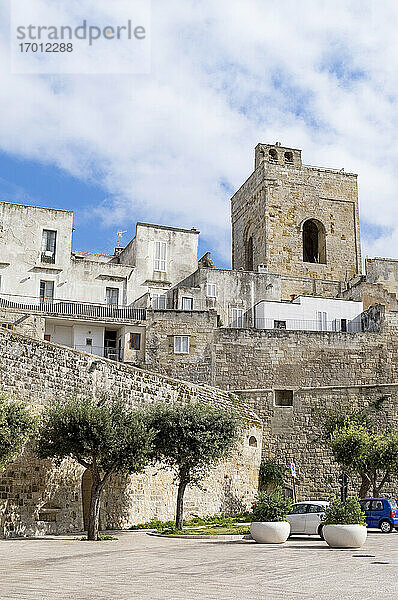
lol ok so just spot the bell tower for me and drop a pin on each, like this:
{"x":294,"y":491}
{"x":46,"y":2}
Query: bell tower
{"x":296,"y":220}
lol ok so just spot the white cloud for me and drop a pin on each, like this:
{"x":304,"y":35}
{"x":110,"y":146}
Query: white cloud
{"x":225,"y":75}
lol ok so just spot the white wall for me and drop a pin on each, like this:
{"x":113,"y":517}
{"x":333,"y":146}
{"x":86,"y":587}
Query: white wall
{"x":303,"y":313}
{"x":77,"y":276}
{"x":182,"y":257}
{"x":83,"y":331}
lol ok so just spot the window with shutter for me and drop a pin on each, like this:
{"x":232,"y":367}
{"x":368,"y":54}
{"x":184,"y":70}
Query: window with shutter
{"x":237,"y":317}
{"x":48,"y":245}
{"x":160,"y":256}
{"x":211,"y":290}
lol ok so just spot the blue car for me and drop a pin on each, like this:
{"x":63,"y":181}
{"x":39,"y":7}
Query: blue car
{"x":381,"y":513}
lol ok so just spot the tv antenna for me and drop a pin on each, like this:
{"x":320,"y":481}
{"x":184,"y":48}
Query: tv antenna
{"x":120,"y":234}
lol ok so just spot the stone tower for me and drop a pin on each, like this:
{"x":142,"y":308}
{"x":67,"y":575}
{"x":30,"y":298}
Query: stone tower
{"x":297,"y":220}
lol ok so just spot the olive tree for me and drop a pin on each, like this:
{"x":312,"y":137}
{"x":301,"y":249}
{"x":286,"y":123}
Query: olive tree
{"x":373,"y":456}
{"x":16,"y":426}
{"x":106,"y":437}
{"x":191,"y":439}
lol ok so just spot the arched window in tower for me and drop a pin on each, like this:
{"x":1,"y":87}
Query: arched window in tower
{"x":314,"y":242}
{"x":289,"y":158}
{"x":249,"y":254}
{"x":273,"y":155}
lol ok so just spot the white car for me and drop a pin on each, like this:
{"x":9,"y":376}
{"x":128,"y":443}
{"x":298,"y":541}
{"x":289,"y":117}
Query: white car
{"x":306,"y":517}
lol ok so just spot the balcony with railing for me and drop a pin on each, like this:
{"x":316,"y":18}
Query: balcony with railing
{"x":71,"y":308}
{"x":336,"y":325}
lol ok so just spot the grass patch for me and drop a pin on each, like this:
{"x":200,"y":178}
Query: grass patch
{"x":218,"y":530}
{"x":210,"y":521}
{"x":102,"y":538}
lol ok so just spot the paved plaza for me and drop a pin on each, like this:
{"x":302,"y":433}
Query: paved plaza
{"x":142,"y":567}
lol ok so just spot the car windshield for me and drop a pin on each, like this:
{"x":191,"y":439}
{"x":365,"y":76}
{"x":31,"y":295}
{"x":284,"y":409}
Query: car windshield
{"x":393,"y":504}
{"x":298,"y":509}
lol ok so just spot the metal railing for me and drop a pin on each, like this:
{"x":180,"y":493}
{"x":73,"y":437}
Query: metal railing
{"x":104,"y":351}
{"x":184,"y":303}
{"x":71,"y":308}
{"x":353,"y":326}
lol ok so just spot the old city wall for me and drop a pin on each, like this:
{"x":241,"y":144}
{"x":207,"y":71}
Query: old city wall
{"x":320,"y":368}
{"x":37,"y":497}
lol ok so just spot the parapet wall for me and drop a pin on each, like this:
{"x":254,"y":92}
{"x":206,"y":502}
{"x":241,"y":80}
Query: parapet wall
{"x":39,"y":371}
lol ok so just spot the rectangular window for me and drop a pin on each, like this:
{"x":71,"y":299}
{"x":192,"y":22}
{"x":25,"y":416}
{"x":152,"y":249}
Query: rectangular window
{"x":237,"y":317}
{"x":211,"y":290}
{"x":159,"y":301}
{"x":112,"y":296}
{"x":187,"y":303}
{"x":89,"y":341}
{"x":135,"y":341}
{"x":344,"y":325}
{"x":48,"y":246}
{"x":283,"y":398}
{"x":279,"y":324}
{"x":181,"y":344}
{"x":46,"y":291}
{"x":47,"y":337}
{"x":160,"y":256}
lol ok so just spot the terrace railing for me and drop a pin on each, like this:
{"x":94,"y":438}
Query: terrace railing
{"x":353,"y":326}
{"x":71,"y":308}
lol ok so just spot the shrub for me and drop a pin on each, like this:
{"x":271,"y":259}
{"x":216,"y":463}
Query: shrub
{"x":271,"y":507}
{"x":271,"y":475}
{"x":344,"y":513}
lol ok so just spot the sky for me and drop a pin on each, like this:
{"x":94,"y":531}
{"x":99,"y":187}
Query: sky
{"x":170,"y":146}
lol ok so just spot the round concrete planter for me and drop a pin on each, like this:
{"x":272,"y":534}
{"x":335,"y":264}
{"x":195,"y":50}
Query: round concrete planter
{"x":345,"y":536}
{"x":270,"y":532}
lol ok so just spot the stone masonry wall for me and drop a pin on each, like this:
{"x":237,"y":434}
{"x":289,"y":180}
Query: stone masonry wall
{"x":271,"y":207}
{"x":37,"y":497}
{"x":321,"y":368}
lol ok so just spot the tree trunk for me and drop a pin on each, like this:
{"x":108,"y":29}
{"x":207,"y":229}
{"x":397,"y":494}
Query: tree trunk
{"x":365,"y":485}
{"x":180,"y":504}
{"x":377,"y":488}
{"x":95,"y":502}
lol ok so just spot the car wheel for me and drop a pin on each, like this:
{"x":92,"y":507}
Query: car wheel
{"x":385,"y":526}
{"x":320,"y":532}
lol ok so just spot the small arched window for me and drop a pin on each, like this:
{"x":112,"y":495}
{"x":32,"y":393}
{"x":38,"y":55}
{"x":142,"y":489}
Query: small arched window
{"x":314,"y":242}
{"x":249,"y":254}
{"x":289,"y":158}
{"x":253,"y":441}
{"x":273,"y":155}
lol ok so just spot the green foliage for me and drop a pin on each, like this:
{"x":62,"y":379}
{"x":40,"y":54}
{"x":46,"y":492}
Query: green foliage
{"x":16,"y":426}
{"x":271,"y":474}
{"x":338,"y":416}
{"x":217,"y":520}
{"x":373,"y":456}
{"x":116,"y":436}
{"x":192,"y":438}
{"x":232,"y":529}
{"x":153,"y":524}
{"x":344,"y":513}
{"x":101,"y":538}
{"x":106,"y":437}
{"x":272,"y":506}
